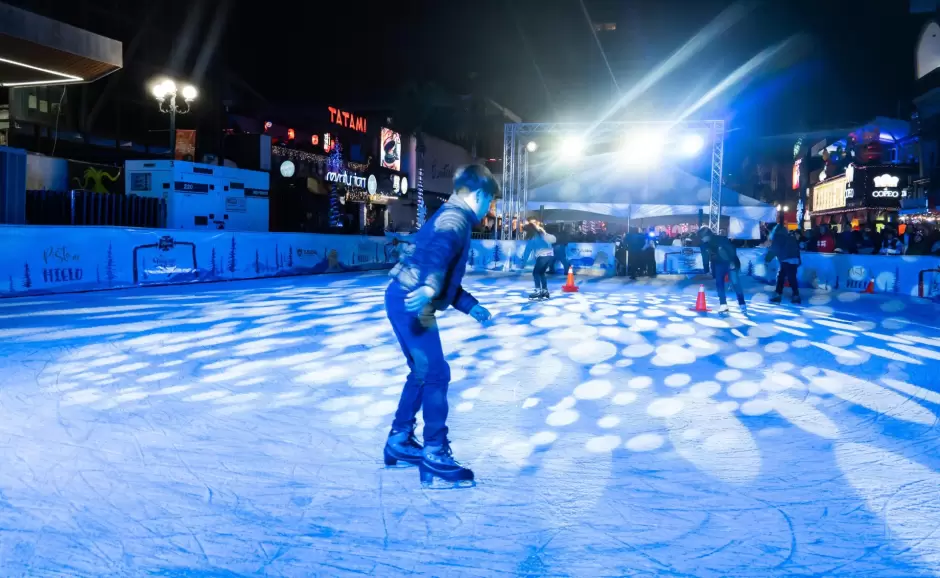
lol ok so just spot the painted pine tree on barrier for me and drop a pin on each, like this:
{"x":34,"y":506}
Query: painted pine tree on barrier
{"x":231,"y":257}
{"x":109,"y":272}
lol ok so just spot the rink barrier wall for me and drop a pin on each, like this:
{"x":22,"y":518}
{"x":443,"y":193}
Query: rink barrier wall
{"x":50,"y":259}
{"x":60,"y":259}
{"x":914,"y":276}
{"x":592,"y":259}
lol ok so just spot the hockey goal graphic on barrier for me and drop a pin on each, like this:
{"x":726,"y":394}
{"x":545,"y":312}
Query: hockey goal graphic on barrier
{"x":928,"y":284}
{"x":684,"y":262}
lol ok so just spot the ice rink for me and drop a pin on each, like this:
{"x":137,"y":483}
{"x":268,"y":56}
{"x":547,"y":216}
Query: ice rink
{"x":237,"y":429}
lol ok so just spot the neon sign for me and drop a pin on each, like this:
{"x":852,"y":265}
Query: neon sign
{"x":887,"y":181}
{"x":347,"y":120}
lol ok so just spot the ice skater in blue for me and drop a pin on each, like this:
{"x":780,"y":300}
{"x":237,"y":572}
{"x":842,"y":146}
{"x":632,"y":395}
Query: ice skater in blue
{"x":423,"y":283}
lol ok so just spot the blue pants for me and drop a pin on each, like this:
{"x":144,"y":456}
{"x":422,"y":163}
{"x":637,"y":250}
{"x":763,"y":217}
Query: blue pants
{"x":538,"y":273}
{"x":429,"y":374}
{"x":722,"y":269}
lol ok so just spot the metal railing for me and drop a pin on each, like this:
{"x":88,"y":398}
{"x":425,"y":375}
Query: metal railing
{"x":89,"y":208}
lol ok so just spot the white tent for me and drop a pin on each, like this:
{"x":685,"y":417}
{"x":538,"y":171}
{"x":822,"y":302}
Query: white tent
{"x":602,"y":188}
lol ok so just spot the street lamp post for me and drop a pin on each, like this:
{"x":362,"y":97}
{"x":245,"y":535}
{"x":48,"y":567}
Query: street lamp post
{"x":166,"y":93}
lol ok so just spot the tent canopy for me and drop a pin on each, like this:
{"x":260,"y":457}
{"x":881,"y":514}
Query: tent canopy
{"x":601,"y":187}
{"x":35,"y":51}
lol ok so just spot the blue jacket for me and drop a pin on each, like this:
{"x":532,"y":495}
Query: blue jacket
{"x":439,"y":259}
{"x":541,"y":245}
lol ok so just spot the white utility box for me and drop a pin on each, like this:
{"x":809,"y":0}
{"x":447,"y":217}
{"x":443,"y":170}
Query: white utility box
{"x":202,"y":196}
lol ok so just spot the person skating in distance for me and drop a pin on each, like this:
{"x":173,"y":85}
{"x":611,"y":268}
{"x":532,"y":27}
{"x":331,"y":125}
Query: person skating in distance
{"x":786,"y":249}
{"x":540,"y":243}
{"x":724,"y":262}
{"x":423,"y":283}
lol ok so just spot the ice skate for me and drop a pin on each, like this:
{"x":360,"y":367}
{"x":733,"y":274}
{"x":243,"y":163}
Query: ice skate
{"x":796,"y":300}
{"x":535,"y":295}
{"x":545,"y":295}
{"x":723,"y":308}
{"x":743,"y":309}
{"x":403,"y":447}
{"x":776,"y":298}
{"x":439,"y":470}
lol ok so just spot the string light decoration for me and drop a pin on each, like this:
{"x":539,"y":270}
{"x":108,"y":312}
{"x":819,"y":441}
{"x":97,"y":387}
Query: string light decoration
{"x":335,"y":164}
{"x":419,"y":185}
{"x":303,"y":156}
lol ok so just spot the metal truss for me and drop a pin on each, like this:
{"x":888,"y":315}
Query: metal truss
{"x":516,"y":165}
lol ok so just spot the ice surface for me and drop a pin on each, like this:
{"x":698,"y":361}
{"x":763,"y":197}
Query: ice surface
{"x":237,"y":429}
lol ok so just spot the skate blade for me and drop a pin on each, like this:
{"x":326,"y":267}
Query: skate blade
{"x":400,"y":466}
{"x":439,"y":484}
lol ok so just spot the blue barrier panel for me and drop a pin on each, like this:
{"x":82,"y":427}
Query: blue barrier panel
{"x":39,"y":259}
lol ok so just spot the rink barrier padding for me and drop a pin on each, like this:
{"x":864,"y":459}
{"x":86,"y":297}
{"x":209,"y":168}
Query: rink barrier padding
{"x":61,"y":259}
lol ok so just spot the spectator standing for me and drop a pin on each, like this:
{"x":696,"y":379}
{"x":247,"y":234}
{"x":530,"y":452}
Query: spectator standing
{"x":786,"y":249}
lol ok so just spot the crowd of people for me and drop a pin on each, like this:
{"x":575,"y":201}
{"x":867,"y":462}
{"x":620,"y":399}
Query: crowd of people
{"x":912,"y":239}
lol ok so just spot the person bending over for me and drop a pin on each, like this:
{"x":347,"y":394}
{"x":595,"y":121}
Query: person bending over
{"x":423,"y":283}
{"x":724,"y":261}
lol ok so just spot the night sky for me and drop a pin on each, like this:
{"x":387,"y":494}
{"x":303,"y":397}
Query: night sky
{"x":846,"y":62}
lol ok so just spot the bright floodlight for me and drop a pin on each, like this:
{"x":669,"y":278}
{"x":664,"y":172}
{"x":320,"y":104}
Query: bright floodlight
{"x":644,"y":148}
{"x":692,"y":144}
{"x":572,"y":147}
{"x":785,"y":208}
{"x":159,"y":90}
{"x":532,"y":146}
{"x":189,"y":92}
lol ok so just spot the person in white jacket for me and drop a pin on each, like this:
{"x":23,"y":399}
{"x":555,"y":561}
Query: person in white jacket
{"x":540,"y":244}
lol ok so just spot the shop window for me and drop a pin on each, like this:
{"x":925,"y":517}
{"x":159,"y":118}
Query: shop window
{"x":32,"y":102}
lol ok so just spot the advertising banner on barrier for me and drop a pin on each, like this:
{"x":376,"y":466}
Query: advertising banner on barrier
{"x":62,"y":259}
{"x":679,"y":260}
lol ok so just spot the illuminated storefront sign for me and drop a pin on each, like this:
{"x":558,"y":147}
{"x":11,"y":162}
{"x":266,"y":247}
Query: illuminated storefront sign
{"x":829,"y":195}
{"x":886,"y":187}
{"x":347,"y":119}
{"x":348,"y":179}
{"x":887,"y":182}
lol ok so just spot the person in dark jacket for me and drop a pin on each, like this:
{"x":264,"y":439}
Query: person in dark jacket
{"x":786,"y":249}
{"x":560,"y":252}
{"x":423,"y":283}
{"x":724,"y":261}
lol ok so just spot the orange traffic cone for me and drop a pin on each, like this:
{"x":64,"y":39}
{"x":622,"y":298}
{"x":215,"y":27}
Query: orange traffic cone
{"x":871,"y":287}
{"x":700,"y":305}
{"x":569,"y":286}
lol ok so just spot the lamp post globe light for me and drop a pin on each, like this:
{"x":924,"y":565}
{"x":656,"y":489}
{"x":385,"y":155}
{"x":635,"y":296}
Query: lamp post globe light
{"x":166,"y":91}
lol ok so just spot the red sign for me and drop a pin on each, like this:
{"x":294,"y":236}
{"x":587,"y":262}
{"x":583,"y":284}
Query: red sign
{"x":185,"y":145}
{"x":347,"y":120}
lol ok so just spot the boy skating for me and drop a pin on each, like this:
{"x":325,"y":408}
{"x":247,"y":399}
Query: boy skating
{"x":540,"y":244}
{"x":423,"y":283}
{"x":724,"y":262}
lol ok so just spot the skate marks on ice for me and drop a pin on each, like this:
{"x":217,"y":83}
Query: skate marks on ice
{"x":614,"y":431}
